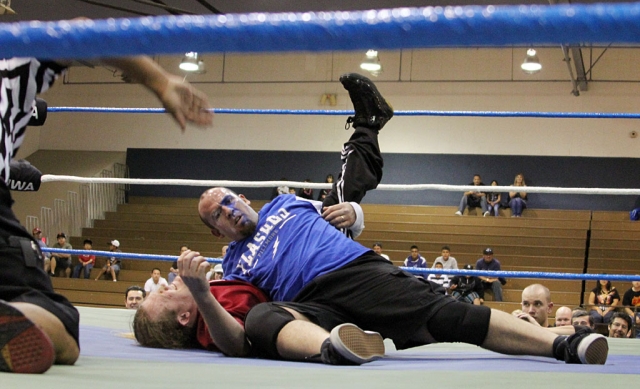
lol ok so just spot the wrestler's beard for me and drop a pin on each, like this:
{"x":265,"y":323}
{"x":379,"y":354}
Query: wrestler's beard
{"x":248,"y":229}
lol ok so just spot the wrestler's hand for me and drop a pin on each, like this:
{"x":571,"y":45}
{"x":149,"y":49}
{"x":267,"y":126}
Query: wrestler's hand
{"x":193,"y":268}
{"x":340,"y":215}
{"x":526,"y":317}
{"x":185,"y":103}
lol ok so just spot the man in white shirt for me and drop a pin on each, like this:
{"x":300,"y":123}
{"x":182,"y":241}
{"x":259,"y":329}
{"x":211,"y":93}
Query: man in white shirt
{"x":155,"y":281}
{"x":447,"y":261}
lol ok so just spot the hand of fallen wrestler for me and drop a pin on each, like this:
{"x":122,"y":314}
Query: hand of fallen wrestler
{"x":193,"y":268}
{"x":185,"y":103}
{"x":340,"y":215}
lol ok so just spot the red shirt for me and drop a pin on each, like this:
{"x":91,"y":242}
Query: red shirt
{"x":87,"y":259}
{"x":237,"y":298}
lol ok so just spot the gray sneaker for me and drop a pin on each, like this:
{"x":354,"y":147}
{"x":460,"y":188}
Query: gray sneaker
{"x":349,"y":345}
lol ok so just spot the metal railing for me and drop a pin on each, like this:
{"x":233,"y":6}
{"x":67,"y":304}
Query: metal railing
{"x":81,"y":208}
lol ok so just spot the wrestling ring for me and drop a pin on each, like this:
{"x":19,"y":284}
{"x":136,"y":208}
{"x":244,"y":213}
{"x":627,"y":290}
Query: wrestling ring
{"x":109,"y":359}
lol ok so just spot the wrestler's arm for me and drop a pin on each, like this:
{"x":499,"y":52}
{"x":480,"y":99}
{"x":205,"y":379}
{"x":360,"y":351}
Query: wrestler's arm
{"x":179,"y":98}
{"x":227,"y":334}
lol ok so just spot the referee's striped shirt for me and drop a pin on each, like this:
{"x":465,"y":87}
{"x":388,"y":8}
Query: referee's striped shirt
{"x":21,"y":79}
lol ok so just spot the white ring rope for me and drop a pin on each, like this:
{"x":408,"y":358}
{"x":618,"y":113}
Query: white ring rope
{"x":295,"y":184}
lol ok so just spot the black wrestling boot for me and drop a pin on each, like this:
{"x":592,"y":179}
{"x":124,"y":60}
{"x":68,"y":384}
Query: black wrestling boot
{"x":371,"y":109}
{"x":583,"y":347}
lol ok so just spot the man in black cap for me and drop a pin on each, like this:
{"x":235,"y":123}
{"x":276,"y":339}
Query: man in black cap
{"x":488,"y":262}
{"x":466,"y":288}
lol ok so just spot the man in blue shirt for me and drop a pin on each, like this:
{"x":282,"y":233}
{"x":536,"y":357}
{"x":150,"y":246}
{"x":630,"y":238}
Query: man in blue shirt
{"x":488,"y":262}
{"x":320,"y":280}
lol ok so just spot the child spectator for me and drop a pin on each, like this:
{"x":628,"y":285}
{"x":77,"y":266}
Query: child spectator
{"x":493,"y":200}
{"x":377,"y":248}
{"x":446,"y":260}
{"x":86,"y":261}
{"x":440,"y":279}
{"x":466,"y":288}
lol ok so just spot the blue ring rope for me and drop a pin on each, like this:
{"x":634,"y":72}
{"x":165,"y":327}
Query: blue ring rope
{"x":509,"y":274}
{"x":470,"y":26}
{"x":235,"y":111}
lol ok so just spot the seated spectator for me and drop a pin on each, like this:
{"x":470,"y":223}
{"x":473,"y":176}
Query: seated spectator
{"x":155,"y":282}
{"x":134,"y":296}
{"x":631,"y":298}
{"x":173,"y":270}
{"x":46,"y":257}
{"x":85,"y":261}
{"x":518,"y":200}
{"x":488,"y":262}
{"x":474,"y":199}
{"x":466,"y":288}
{"x":283,"y":189}
{"x":377,"y":248}
{"x":620,"y":325}
{"x":415,"y":259}
{"x":325,"y":192}
{"x":112,"y":266}
{"x":537,"y":304}
{"x":603,"y":300}
{"x":563,"y":317}
{"x":61,"y":261}
{"x":445,"y":258}
{"x":211,"y":273}
{"x":292,"y":191}
{"x":582,"y":318}
{"x":306,"y":193}
{"x":218,"y":272}
{"x":493,"y":200}
{"x":440,"y":279}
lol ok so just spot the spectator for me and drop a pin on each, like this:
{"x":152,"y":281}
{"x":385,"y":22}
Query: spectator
{"x":415,"y":259}
{"x":113,"y":263}
{"x":212,"y":273}
{"x":134,"y":296}
{"x":155,"y":282}
{"x":466,"y":288}
{"x":493,"y":200}
{"x":536,"y":304}
{"x":306,"y":193}
{"x":445,"y":258}
{"x":282,"y":189}
{"x":582,"y":318}
{"x":488,"y":262}
{"x":218,"y":272}
{"x":173,"y":270}
{"x":85,"y":261}
{"x":440,"y":279}
{"x":631,"y":298}
{"x":377,"y":248}
{"x":563,"y":317}
{"x":46,"y":257}
{"x":518,"y":200}
{"x":324,"y":192}
{"x":473,"y":198}
{"x":603,"y":300}
{"x":620,"y":325}
{"x":61,"y":261}
{"x":292,"y":191}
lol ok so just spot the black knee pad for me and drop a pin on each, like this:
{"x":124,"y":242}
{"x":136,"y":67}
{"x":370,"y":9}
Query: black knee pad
{"x":460,"y":322}
{"x":262,"y":326}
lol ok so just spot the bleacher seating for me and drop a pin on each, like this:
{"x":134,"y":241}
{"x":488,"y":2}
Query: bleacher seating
{"x":542,"y":240}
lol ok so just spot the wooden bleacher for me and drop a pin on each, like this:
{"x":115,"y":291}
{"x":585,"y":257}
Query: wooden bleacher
{"x":542,"y":240}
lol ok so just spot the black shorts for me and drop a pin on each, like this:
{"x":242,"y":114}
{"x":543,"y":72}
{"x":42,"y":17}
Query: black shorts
{"x":22,"y":276}
{"x":375,"y":295}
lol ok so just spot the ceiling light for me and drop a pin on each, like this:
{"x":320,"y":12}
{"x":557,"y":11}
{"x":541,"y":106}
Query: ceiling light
{"x":371,"y":63}
{"x":531,"y":63}
{"x":190,"y":62}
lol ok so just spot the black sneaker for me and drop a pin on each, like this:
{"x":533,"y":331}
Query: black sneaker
{"x":371,"y":109}
{"x":583,"y":347}
{"x":349,"y":345}
{"x":24,"y":348}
